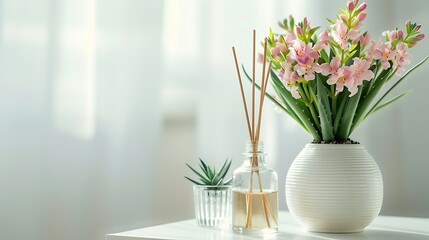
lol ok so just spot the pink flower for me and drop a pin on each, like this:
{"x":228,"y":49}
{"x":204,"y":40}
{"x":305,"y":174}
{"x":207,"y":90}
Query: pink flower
{"x":322,"y":41}
{"x":360,"y":69}
{"x":330,"y":68}
{"x":280,"y":47}
{"x":369,"y":54}
{"x":342,"y":35}
{"x":345,"y":78}
{"x":307,"y":70}
{"x":340,"y":76}
{"x":402,"y":58}
{"x":294,"y":92}
{"x":289,"y":38}
{"x":303,"y":53}
{"x":363,"y":40}
{"x":385,"y":53}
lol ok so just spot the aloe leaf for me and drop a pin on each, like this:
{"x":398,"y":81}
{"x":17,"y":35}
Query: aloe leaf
{"x":206,"y":181}
{"x":386,"y":103}
{"x":324,"y":111}
{"x":228,"y":182}
{"x":196,"y":172}
{"x":193,"y":181}
{"x":296,"y":106}
{"x":222,"y":172}
{"x":396,"y":84}
{"x":210,"y":174}
{"x":348,"y":116}
{"x":340,"y":111}
{"x":203,"y":166}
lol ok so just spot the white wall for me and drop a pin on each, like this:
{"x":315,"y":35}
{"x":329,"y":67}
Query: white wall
{"x":102,"y":103}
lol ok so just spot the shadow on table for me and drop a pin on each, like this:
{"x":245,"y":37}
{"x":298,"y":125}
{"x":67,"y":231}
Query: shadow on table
{"x":369,"y":234}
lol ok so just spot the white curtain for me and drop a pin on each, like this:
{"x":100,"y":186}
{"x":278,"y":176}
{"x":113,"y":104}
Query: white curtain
{"x":103,"y":102}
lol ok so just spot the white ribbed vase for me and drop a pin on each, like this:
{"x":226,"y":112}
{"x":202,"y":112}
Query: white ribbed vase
{"x":335,"y":188}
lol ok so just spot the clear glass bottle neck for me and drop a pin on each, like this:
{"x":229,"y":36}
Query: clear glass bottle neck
{"x":254,"y":153}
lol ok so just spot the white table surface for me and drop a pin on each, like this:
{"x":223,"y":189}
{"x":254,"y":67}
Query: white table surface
{"x":383,"y":228}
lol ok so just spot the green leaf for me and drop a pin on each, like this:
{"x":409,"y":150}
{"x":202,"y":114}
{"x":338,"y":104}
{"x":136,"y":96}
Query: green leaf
{"x":206,"y":181}
{"x":210,"y":174}
{"x":343,"y":101}
{"x":272,"y":36}
{"x":312,"y":31}
{"x":387,"y":103}
{"x":324,"y":55}
{"x":343,"y":11}
{"x":372,"y":93}
{"x":198,"y":174}
{"x":362,"y":113}
{"x":348,"y":116}
{"x":324,"y":111}
{"x":222,"y":172}
{"x":356,"y":51}
{"x":228,"y":182}
{"x":203,"y":166}
{"x":291,"y":113}
{"x":399,"y":81}
{"x":296,"y":106}
{"x":193,"y":181}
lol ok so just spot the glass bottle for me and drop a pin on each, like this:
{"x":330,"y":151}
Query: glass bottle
{"x":254,"y":193}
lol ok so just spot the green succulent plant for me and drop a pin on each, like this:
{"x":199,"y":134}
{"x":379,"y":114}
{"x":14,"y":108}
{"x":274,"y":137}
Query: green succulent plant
{"x":209,"y":176}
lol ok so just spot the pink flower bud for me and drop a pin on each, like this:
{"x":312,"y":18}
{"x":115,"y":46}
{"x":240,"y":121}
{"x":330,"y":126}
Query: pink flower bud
{"x":344,"y":17}
{"x":355,"y":2}
{"x":298,"y":30}
{"x":362,"y":7}
{"x":412,"y":44}
{"x":350,"y":6}
{"x":418,"y":27}
{"x":420,"y":36}
{"x":361,"y":16}
{"x":305,"y":21}
{"x":400,"y":34}
{"x":392,"y":35}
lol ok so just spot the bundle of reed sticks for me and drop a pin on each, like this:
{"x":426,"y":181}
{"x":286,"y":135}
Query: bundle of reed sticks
{"x":254,"y":134}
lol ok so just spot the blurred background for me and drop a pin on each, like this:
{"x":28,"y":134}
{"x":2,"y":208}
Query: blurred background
{"x":103,"y":102}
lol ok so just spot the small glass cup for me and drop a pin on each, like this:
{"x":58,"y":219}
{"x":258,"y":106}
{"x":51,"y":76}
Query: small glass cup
{"x":213,"y":205}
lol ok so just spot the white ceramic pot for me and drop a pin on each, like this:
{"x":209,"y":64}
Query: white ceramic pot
{"x":335,"y":188}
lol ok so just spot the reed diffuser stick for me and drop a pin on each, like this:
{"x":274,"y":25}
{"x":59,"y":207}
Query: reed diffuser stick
{"x":253,"y":85}
{"x":242,"y":93}
{"x":262,"y":93}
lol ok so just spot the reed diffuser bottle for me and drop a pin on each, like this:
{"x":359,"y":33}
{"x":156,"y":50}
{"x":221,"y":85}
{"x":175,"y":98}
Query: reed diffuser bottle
{"x":254,"y":197}
{"x":254,"y":185}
